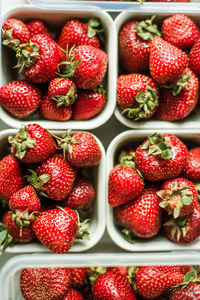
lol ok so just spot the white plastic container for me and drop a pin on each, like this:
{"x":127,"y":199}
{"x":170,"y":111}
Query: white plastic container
{"x":160,"y":242}
{"x":11,"y":272}
{"x":161,"y":10}
{"x":55,"y":17}
{"x":97,"y":221}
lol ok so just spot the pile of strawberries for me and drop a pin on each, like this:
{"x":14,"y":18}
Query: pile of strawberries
{"x":111,"y":283}
{"x":42,"y":186}
{"x":62,"y":76}
{"x":163,"y":66}
{"x":154,"y":186}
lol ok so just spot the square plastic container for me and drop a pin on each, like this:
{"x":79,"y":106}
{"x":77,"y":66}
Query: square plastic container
{"x":161,"y":10}
{"x":97,"y":220}
{"x":160,"y":242}
{"x":11,"y":272}
{"x":55,"y":17}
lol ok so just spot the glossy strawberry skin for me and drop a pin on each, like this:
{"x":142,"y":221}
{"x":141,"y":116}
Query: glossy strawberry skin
{"x":20,"y":98}
{"x":124,"y":185}
{"x":78,"y":277}
{"x":172,"y":108}
{"x":190,"y":292}
{"x":192,"y":167}
{"x":73,"y":295}
{"x":194,"y":57}
{"x":119,"y":269}
{"x":57,"y":229}
{"x":37,"y":27}
{"x":45,"y":283}
{"x":60,"y":86}
{"x":142,"y":215}
{"x":20,"y":30}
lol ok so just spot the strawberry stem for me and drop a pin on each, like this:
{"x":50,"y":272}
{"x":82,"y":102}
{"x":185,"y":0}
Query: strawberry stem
{"x":27,"y":55}
{"x":66,"y":100}
{"x":7,"y":39}
{"x":37,"y":181}
{"x":178,"y":86}
{"x":96,"y":28}
{"x":179,"y":226}
{"x":147,"y":30}
{"x":70,"y":65}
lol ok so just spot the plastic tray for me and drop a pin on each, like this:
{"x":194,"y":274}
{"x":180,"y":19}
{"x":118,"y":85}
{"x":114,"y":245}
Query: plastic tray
{"x":57,"y":18}
{"x":160,"y":242}
{"x":97,"y":222}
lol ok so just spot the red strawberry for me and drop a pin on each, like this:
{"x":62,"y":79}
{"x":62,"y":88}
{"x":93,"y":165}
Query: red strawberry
{"x":194,"y":57}
{"x":178,"y":196}
{"x":78,"y":277}
{"x":14,"y":32}
{"x":185,"y":269}
{"x":77,"y":33}
{"x":37,"y":27}
{"x":171,"y":1}
{"x":167,"y":62}
{"x":137,"y":96}
{"x":152,"y":281}
{"x":142,"y":216}
{"x":50,"y":110}
{"x":45,"y":283}
{"x":180,"y":99}
{"x":58,"y":228}
{"x":82,"y":195}
{"x":32,"y":144}
{"x":88,"y":104}
{"x":111,"y":286}
{"x":134,"y":45}
{"x":73,"y":295}
{"x":161,"y":157}
{"x":11,"y":177}
{"x":119,"y":269}
{"x":192,"y":167}
{"x":180,"y":31}
{"x":20,"y":98}
{"x":185,"y":229}
{"x":190,"y":291}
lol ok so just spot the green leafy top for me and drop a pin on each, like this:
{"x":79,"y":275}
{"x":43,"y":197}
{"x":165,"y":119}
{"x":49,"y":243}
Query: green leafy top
{"x":147,"y":30}
{"x":178,"y":86}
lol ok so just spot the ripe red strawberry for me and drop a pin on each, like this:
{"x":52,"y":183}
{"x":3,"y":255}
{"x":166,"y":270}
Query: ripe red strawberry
{"x":111,"y":286}
{"x":37,"y":27}
{"x":58,"y":228}
{"x":32,"y":144}
{"x":88,"y":104}
{"x":50,"y":110}
{"x":194,"y":57}
{"x":190,"y":291}
{"x":180,"y":99}
{"x":45,"y":283}
{"x":14,"y":32}
{"x":161,"y":157}
{"x":185,"y":269}
{"x":142,"y":216}
{"x":78,"y":277}
{"x":178,"y":196}
{"x":134,"y":45}
{"x":183,"y":230}
{"x":73,"y":295}
{"x":11,"y":177}
{"x":137,"y":96}
{"x":54,"y":177}
{"x":77,"y":33}
{"x":20,"y":98}
{"x":82,"y":195}
{"x":192,"y":167}
{"x":152,"y":281}
{"x":167,"y":62}
{"x":119,"y":269}
{"x":180,"y":31}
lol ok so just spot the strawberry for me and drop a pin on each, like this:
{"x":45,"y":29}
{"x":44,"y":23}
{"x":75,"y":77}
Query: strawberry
{"x":112,"y":286}
{"x":137,"y":96}
{"x":50,"y":110}
{"x":11,"y":177}
{"x":171,"y":1}
{"x":58,"y":228}
{"x":178,"y":99}
{"x":161,"y":157}
{"x":183,"y":230}
{"x":134,"y":44}
{"x":192,"y":167}
{"x":37,"y":27}
{"x":142,"y":216}
{"x":180,"y":31}
{"x":14,"y":32}
{"x":88,"y":104}
{"x":82,"y":195}
{"x":167,"y":62}
{"x":77,"y":33}
{"x":190,"y":292}
{"x":54,"y":177}
{"x":194,"y":57}
{"x":119,"y":269}
{"x":152,"y":281}
{"x":185,"y":269}
{"x":178,"y":196}
{"x":45,"y":283}
{"x":73,"y":295}
{"x":78,"y":277}
{"x":20,"y":98}
{"x":32,"y":144}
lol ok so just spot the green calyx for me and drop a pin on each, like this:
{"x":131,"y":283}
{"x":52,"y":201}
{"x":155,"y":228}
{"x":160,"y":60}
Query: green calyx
{"x":197,"y":186}
{"x":21,"y":142}
{"x":190,"y":277}
{"x":158,"y":145}
{"x":6,"y":239}
{"x":7,"y":39}
{"x":175,"y":198}
{"x":67,"y":69}
{"x":37,"y":181}
{"x":127,"y":160}
{"x":180,"y":227}
{"x":24,"y":218}
{"x":95,"y":27}
{"x":147,"y":102}
{"x":178,"y":86}
{"x":147,"y":30}
{"x":83,"y":233}
{"x":66,"y":100}
{"x":94,"y":272}
{"x":27,"y":55}
{"x":128,"y":235}
{"x":99,"y":89}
